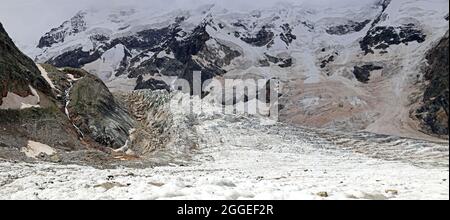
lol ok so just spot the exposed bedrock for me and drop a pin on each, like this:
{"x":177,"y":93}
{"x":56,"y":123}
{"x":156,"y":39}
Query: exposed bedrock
{"x":362,"y":73}
{"x":382,"y":37}
{"x":433,"y":113}
{"x":94,"y":110}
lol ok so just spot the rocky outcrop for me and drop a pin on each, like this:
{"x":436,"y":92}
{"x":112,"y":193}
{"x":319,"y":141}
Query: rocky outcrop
{"x":287,"y":36}
{"x":280,"y":61}
{"x":381,"y":37}
{"x":362,"y":73}
{"x":351,"y":27}
{"x":264,"y":37}
{"x":181,"y":57}
{"x":147,"y":39}
{"x":94,"y":110}
{"x":151,"y":84}
{"x":75,"y":58}
{"x":164,"y":130}
{"x":433,"y":114}
{"x":325,"y":62}
{"x":384,"y":4}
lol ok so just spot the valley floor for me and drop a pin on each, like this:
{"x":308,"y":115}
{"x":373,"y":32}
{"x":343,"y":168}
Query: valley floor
{"x":240,"y":159}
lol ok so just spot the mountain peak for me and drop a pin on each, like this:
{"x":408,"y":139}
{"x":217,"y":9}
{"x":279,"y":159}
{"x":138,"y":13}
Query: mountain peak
{"x":310,"y":43}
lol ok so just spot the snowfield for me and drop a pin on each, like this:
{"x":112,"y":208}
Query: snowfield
{"x":239,"y":158}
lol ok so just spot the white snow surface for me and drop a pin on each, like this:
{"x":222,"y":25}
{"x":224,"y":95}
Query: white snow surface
{"x":34,"y":149}
{"x":44,"y":74}
{"x":106,"y":66}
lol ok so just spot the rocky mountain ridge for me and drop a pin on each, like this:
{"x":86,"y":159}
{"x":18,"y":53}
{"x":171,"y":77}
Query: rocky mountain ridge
{"x":351,"y":69}
{"x":54,"y":113}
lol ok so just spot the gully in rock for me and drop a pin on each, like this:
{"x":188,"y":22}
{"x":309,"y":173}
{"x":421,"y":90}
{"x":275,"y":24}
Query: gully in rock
{"x":66,"y":109}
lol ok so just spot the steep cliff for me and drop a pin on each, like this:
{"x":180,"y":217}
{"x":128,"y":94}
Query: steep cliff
{"x":434,"y":111}
{"x":18,"y":73}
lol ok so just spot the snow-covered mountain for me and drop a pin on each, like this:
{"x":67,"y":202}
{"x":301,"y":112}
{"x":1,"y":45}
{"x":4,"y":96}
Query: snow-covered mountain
{"x":353,"y":67}
{"x":358,"y":69}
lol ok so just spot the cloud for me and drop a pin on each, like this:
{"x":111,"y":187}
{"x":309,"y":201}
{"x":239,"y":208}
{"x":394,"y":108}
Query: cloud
{"x":27,"y":20}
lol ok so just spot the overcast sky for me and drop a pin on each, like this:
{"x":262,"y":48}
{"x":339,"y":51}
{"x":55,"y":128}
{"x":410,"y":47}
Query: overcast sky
{"x":27,"y":20}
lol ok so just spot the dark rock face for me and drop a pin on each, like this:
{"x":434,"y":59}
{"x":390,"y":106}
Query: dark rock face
{"x":75,"y":58}
{"x":17,"y":71}
{"x":362,"y":73}
{"x":309,"y":25}
{"x":264,"y":63}
{"x":380,"y":38}
{"x":351,"y":27}
{"x":94,"y":110}
{"x":239,"y":24}
{"x":286,"y":63}
{"x":213,"y":55}
{"x":93,"y":113}
{"x":186,"y":55}
{"x":48,"y":124}
{"x":263,"y":38}
{"x":99,"y":38}
{"x":434,"y":111}
{"x":57,"y":35}
{"x":281,"y":62}
{"x":192,"y":45}
{"x":148,"y":39}
{"x":151,"y":84}
{"x":384,"y":4}
{"x":325,"y":62}
{"x":151,"y":40}
{"x":287,"y":36}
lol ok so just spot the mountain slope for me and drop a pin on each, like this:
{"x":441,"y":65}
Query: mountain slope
{"x":348,"y":68}
{"x":434,"y":110}
{"x":40,"y":114}
{"x":18,"y":73}
{"x":28,"y":110}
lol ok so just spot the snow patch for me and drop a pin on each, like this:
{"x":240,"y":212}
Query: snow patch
{"x":164,"y":54}
{"x":44,"y":74}
{"x":13,"y":101}
{"x":34,"y":149}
